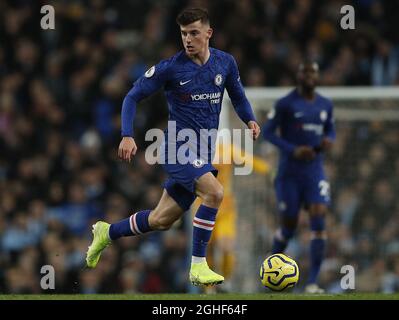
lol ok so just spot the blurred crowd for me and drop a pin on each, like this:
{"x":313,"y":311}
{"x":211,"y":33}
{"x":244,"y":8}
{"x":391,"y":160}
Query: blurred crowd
{"x":365,"y":224}
{"x":60,"y":96}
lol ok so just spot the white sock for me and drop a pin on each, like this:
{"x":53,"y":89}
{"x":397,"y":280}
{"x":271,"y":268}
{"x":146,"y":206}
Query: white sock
{"x":195,"y":259}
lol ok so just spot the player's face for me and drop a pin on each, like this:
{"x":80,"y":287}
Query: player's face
{"x":195,"y":37}
{"x":308,"y":75}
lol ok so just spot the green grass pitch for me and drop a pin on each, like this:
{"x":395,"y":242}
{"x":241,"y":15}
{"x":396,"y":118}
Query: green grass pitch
{"x":229,"y":296}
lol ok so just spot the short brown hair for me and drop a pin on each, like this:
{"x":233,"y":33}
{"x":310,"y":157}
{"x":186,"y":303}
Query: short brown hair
{"x":190,"y":15}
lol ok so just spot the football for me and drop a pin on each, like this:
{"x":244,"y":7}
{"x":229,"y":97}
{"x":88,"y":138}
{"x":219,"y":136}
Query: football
{"x":279,"y":272}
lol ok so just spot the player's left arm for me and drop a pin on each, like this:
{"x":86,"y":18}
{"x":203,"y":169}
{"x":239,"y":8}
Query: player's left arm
{"x":239,"y":100}
{"x":329,"y":131}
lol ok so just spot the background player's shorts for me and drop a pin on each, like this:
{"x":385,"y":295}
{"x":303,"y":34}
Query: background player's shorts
{"x":295,"y":191}
{"x":182,"y":178}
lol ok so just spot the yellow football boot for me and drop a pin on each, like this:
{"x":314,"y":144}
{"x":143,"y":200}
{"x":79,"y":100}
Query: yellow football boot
{"x":101,"y":240}
{"x":200,"y":274}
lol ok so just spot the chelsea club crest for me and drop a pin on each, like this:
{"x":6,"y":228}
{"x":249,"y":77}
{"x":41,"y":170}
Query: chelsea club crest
{"x":218,"y":79}
{"x":198,"y":163}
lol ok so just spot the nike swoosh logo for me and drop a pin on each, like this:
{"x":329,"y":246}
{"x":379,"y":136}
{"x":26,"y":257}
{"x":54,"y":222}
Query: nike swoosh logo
{"x":182,"y":83}
{"x":298,"y":114}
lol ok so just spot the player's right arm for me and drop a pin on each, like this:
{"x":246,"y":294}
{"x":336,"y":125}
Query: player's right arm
{"x":275,"y":118}
{"x":149,"y":83}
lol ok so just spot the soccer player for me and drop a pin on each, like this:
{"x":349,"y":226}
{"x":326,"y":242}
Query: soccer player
{"x":305,"y":121}
{"x":194,"y":81}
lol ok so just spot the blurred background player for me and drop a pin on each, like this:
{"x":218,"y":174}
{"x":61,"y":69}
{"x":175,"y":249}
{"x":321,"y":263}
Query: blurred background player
{"x":220,"y":252}
{"x":305,"y":121}
{"x":194,"y":82}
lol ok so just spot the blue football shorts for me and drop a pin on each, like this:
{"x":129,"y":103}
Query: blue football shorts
{"x":180,"y":184}
{"x":295,"y":191}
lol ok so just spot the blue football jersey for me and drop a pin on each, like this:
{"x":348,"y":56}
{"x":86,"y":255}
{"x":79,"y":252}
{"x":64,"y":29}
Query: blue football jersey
{"x":194,"y":92}
{"x":301,"y":122}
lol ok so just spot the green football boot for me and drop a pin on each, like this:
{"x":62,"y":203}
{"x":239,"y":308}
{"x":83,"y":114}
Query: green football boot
{"x":200,"y":274}
{"x":101,"y":240}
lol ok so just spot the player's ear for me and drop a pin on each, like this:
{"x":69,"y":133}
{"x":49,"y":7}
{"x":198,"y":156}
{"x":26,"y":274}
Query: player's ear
{"x":209,"y":32}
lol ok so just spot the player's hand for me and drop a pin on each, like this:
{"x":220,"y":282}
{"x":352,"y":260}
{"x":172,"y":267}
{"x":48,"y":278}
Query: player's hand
{"x":255,"y":129}
{"x":326,"y":144}
{"x":127,"y":149}
{"x":304,"y":153}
